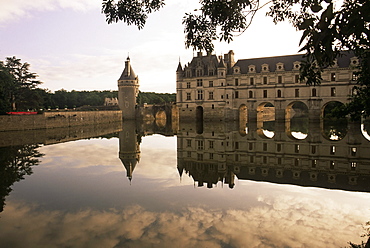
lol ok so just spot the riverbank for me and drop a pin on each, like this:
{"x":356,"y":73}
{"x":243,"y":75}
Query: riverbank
{"x":57,"y":119}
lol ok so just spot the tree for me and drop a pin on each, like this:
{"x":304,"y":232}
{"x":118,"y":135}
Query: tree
{"x":20,"y":81}
{"x":326,"y":31}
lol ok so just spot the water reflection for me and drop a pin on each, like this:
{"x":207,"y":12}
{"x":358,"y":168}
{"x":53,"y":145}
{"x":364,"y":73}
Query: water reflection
{"x":314,"y":159}
{"x":78,"y":199}
{"x":15,"y":163}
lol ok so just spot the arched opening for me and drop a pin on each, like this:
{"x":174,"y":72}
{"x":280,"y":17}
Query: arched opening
{"x":297,"y":120}
{"x":243,"y":117}
{"x":199,"y":120}
{"x":365,"y":129}
{"x":266,"y":120}
{"x":333,"y":127}
{"x":279,"y":93}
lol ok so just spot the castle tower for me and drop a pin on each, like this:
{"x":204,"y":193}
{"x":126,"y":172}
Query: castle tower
{"x":128,"y":89}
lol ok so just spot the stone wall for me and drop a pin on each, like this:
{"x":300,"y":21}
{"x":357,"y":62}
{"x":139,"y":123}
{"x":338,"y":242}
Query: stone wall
{"x":57,"y":119}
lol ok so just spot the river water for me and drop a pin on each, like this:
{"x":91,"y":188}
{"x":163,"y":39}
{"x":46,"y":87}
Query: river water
{"x":269,"y":184}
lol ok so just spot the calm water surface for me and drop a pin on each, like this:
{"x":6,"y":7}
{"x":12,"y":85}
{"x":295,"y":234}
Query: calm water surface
{"x":132,"y":190}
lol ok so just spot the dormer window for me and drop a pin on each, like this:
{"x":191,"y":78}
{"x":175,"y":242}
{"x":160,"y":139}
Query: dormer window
{"x":265,"y":67}
{"x":280,"y":66}
{"x":296,"y":65}
{"x":236,"y":70}
{"x":354,"y":61}
{"x":251,"y":68}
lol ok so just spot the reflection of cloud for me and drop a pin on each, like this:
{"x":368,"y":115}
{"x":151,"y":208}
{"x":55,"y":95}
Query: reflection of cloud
{"x":281,"y":222}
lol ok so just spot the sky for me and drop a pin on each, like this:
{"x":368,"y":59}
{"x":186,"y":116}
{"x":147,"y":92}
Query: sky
{"x":70,"y":45}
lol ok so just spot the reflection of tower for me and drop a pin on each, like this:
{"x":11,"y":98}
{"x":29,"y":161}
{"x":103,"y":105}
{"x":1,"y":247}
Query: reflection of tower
{"x":129,"y":147}
{"x":128,"y":89}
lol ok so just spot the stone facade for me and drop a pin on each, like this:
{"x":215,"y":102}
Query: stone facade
{"x":58,"y":119}
{"x":220,"y":88}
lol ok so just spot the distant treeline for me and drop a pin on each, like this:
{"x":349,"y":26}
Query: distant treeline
{"x":76,"y":99}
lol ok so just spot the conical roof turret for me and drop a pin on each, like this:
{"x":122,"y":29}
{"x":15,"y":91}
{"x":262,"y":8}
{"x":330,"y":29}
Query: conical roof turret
{"x":221,"y":64}
{"x":128,"y":73}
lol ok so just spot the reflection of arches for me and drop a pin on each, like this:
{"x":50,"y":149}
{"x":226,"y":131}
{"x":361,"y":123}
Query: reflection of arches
{"x":365,"y":129}
{"x":199,"y":113}
{"x":328,"y":108}
{"x":297,"y":120}
{"x":243,"y":117}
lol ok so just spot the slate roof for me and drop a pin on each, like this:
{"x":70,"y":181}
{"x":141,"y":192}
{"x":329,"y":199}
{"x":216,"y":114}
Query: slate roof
{"x":128,"y":73}
{"x":287,"y":60}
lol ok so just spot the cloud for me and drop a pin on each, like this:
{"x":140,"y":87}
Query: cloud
{"x":16,"y":9}
{"x":283,"y":222}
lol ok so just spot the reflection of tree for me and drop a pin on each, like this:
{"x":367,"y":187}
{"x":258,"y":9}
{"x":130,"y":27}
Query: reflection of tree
{"x":269,"y":125}
{"x":299,"y":124}
{"x":15,"y":163}
{"x":334,"y":127}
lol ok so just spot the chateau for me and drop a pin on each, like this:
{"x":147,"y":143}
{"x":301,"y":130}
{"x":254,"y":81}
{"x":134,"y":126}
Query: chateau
{"x":211,"y":87}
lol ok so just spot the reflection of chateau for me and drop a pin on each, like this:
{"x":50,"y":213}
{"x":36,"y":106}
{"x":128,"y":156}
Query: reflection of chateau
{"x":218,"y":88}
{"x":219,"y":150}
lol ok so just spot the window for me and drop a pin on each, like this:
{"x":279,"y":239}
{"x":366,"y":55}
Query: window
{"x":210,"y":83}
{"x":200,"y":144}
{"x":353,"y":151}
{"x":222,"y":96}
{"x":296,"y":148}
{"x":236,"y":145}
{"x":227,"y":96}
{"x":188,"y":85}
{"x":200,"y":156}
{"x":332,"y":91}
{"x":278,"y":147}
{"x":332,"y":165}
{"x":199,"y":73}
{"x":211,"y":144}
{"x":332,"y":76}
{"x":236,"y":81}
{"x":188,"y":96}
{"x":199,"y":82}
{"x":264,"y":93}
{"x":251,"y":81}
{"x":313,"y":92}
{"x":296,"y":161}
{"x":280,"y":79}
{"x":354,"y":76}
{"x":210,"y":73}
{"x":264,"y":80}
{"x":250,"y":94}
{"x":200,"y":94}
{"x":211,"y":156}
{"x":264,"y":146}
{"x":279,"y":160}
{"x":279,"y":93}
{"x":189,"y":154}
{"x":313,"y":149}
{"x":213,"y":106}
{"x":296,"y":79}
{"x":353,"y":165}
{"x":296,"y":92}
{"x":313,"y":163}
{"x":188,"y":143}
{"x":332,"y":150}
{"x":236,"y":94}
{"x":264,"y":159}
{"x":210,"y":95}
{"x":250,"y":146}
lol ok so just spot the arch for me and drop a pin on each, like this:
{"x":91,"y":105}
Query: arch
{"x":297,"y":120}
{"x":365,"y":129}
{"x":333,"y":128}
{"x":199,"y":113}
{"x":279,"y":94}
{"x":266,"y":120}
{"x":243,"y":117}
